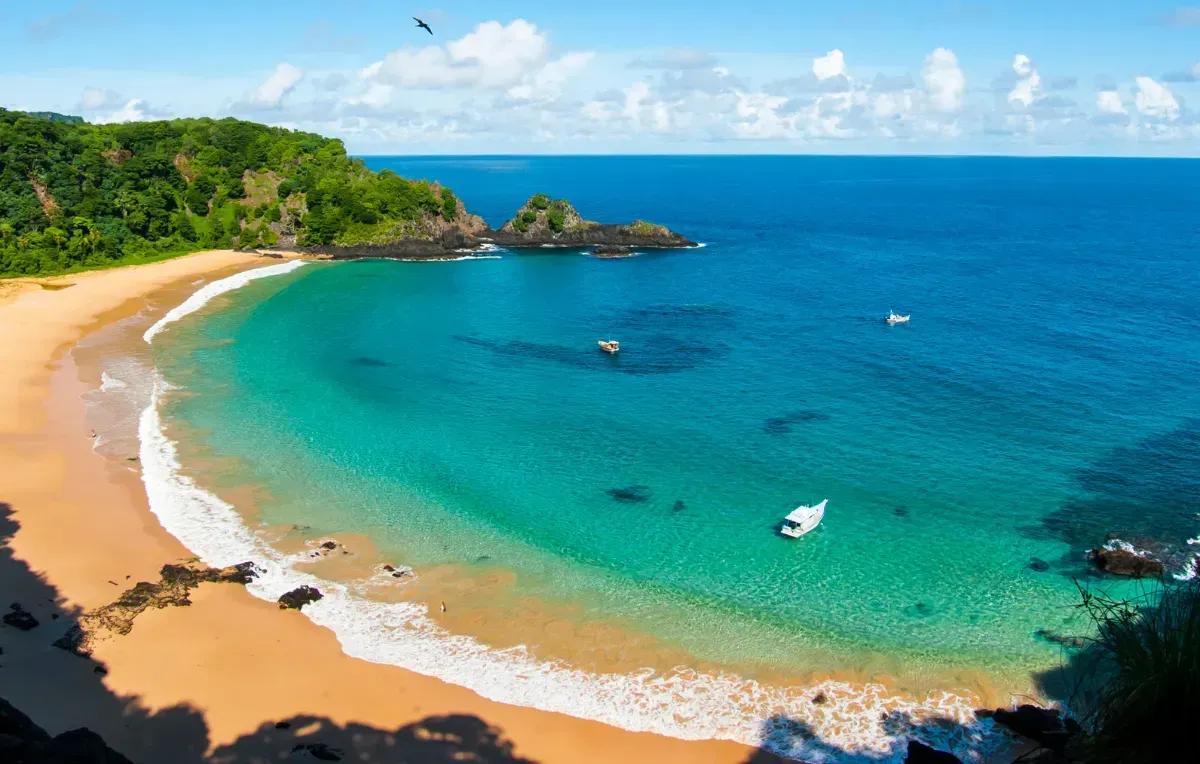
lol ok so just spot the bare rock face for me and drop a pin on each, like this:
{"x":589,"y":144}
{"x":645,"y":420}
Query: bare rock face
{"x":299,"y":597}
{"x":171,"y":590}
{"x":919,"y":753}
{"x":1121,"y":562}
{"x":545,"y":221}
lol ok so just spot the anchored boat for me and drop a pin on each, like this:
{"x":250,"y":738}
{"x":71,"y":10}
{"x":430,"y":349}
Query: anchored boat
{"x":802,"y":520}
{"x":609,"y":346}
{"x":894,"y":319}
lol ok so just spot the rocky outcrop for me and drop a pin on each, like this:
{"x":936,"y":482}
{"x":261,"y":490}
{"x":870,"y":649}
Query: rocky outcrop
{"x":19,"y":618}
{"x":299,"y":597}
{"x":609,"y":251}
{"x":1125,"y":562}
{"x":171,"y":590}
{"x":1045,"y":726}
{"x":544,"y":221}
{"x":23,"y":742}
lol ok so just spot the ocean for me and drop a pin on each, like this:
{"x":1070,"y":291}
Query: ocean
{"x":603,"y":529}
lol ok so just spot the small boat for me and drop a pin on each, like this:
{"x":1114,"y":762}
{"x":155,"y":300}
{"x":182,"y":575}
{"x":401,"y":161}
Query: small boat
{"x":894,"y":319}
{"x":609,"y":346}
{"x":802,"y":520}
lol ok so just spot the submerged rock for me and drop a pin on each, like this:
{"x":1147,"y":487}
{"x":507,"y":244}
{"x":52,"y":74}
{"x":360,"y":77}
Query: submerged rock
{"x":299,"y":597}
{"x":1123,"y":562}
{"x":1040,"y":566}
{"x":612,"y":250}
{"x":634,"y":494}
{"x":919,"y":753}
{"x":20,"y":618}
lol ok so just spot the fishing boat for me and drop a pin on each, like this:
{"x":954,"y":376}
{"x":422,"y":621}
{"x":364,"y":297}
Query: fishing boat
{"x":894,"y":319}
{"x":802,"y":520}
{"x":609,"y":346}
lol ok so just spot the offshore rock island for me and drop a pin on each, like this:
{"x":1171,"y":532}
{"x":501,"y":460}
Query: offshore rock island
{"x":540,"y":222}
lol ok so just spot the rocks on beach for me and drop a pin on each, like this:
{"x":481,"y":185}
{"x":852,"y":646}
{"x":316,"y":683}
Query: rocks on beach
{"x":172,"y":589}
{"x":607,"y":251}
{"x":299,"y":597}
{"x":1124,"y":562}
{"x":19,"y":618}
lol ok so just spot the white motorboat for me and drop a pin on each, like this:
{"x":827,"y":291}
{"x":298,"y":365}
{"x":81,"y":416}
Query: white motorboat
{"x":894,"y":319}
{"x":609,"y":346}
{"x":802,"y":520}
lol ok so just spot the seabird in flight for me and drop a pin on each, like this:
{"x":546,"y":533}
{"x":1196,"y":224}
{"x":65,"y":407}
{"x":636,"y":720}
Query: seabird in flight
{"x":422,"y":25}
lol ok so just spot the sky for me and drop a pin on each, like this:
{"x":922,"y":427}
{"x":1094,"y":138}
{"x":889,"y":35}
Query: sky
{"x":1102,"y":77}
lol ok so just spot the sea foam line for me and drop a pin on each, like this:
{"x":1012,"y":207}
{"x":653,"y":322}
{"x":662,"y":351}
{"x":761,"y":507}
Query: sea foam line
{"x":203,"y":295}
{"x":683,"y":703}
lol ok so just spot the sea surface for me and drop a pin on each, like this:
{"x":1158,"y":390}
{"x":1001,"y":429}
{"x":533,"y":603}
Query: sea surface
{"x":1043,"y":397}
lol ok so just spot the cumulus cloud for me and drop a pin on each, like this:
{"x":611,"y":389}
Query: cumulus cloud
{"x":95,"y":99}
{"x":548,"y":81}
{"x":271,"y":92}
{"x":135,"y":110}
{"x":1109,"y":102}
{"x":1155,"y":100}
{"x":1028,"y":84}
{"x":1063,"y":83}
{"x":832,"y":64}
{"x":491,"y":56}
{"x":943,"y":80}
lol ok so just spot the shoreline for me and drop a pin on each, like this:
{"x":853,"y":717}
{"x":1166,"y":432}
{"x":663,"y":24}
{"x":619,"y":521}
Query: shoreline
{"x":78,"y":531}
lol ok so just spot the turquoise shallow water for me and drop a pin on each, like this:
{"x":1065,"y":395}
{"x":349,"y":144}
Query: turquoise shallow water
{"x":1042,"y":396}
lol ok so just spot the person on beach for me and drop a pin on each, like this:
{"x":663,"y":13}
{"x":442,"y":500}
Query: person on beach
{"x":443,"y":607}
{"x":93,"y":433}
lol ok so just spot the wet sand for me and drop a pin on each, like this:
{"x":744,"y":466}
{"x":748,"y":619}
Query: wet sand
{"x":214,"y":678}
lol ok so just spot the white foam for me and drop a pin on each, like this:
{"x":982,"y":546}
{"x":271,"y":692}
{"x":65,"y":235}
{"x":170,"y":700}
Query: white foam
{"x":202,"y":296}
{"x":109,"y":382}
{"x":683,"y":703}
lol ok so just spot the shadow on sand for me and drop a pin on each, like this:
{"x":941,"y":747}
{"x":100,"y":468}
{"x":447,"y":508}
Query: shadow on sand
{"x":42,"y":681}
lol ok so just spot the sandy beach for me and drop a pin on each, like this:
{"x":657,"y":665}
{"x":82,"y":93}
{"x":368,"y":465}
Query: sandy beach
{"x":229,"y":678}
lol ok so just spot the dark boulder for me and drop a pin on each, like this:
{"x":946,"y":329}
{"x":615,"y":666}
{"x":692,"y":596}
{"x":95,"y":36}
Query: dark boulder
{"x":1042,"y":725}
{"x":1120,"y":562}
{"x":919,"y":753}
{"x":299,"y":597}
{"x":20,"y":618}
{"x":329,"y":546}
{"x":612,"y":250}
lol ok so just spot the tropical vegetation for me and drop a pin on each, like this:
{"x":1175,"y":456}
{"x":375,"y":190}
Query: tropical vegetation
{"x":75,"y":195}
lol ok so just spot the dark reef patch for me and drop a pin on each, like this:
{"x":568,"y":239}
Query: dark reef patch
{"x":633,"y":494}
{"x":368,"y":361}
{"x":679,"y":506}
{"x":782,"y":425}
{"x":1148,"y":491}
{"x":641,"y":356}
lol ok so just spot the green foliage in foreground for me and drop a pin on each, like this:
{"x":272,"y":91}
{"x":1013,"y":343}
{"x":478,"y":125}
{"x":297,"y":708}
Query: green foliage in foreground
{"x":75,"y":196}
{"x":1139,"y":686}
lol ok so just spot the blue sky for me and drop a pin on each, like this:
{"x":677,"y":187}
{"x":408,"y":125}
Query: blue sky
{"x":925,"y":76}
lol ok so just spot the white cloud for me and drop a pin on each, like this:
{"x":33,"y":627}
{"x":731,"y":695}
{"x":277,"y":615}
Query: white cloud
{"x":944,"y":81}
{"x":548,"y":81}
{"x":491,"y":56}
{"x":135,"y":110}
{"x":1026,"y":91}
{"x":1155,"y":100}
{"x":270,"y":93}
{"x":831,"y":64}
{"x":1109,"y":102}
{"x":94,"y":99}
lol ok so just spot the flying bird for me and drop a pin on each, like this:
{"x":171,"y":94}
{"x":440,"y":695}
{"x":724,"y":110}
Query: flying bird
{"x":422,"y":25}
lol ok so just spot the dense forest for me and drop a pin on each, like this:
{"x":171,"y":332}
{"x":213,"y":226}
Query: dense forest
{"x":75,"y":195}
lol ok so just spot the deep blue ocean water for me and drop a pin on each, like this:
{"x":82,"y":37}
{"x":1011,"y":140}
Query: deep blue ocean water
{"x":1044,"y":395}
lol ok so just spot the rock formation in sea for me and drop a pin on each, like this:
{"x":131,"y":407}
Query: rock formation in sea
{"x":171,"y":590}
{"x":540,"y":222}
{"x":1125,"y":562}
